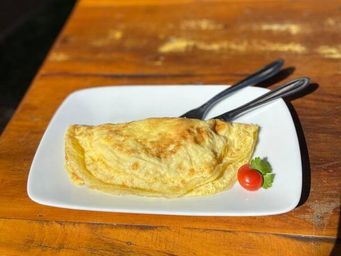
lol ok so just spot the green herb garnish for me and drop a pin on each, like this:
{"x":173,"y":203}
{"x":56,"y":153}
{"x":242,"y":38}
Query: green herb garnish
{"x":264,"y":167}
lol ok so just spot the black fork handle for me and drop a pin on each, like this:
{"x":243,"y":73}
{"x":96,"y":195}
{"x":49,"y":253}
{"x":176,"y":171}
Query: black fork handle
{"x":259,"y":76}
{"x":287,"y":89}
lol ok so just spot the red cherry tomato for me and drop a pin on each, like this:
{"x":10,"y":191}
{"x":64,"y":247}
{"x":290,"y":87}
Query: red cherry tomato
{"x":249,"y":178}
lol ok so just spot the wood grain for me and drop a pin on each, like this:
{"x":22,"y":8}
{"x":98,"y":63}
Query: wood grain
{"x":182,"y":39}
{"x":152,"y":42}
{"x":54,"y":238}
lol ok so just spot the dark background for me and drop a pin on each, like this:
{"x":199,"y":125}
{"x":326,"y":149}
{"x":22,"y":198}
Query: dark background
{"x":28,"y":29}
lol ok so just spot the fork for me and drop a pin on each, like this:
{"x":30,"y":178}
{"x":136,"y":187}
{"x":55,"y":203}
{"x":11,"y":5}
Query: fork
{"x":287,"y":89}
{"x":259,"y":76}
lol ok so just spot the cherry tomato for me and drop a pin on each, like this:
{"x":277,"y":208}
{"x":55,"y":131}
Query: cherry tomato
{"x":249,"y":178}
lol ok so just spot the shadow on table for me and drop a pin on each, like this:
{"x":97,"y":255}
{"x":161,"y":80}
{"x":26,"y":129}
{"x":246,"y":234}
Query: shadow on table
{"x":306,"y":172}
{"x":283,"y":74}
{"x":23,"y":49}
{"x":337,"y":247}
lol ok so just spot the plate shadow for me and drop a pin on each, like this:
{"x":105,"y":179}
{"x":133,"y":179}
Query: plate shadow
{"x":306,"y":171}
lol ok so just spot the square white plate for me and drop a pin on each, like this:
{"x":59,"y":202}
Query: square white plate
{"x":49,"y":184}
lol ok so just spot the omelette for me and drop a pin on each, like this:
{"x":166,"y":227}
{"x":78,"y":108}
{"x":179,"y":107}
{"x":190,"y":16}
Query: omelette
{"x":159,"y":157}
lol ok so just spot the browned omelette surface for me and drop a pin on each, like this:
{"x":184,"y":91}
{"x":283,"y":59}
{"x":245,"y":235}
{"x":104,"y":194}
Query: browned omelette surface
{"x":162,"y":157}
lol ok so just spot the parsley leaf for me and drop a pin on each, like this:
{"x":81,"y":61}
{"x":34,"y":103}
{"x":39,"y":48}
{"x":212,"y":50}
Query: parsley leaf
{"x":261,"y":165}
{"x":268,"y":179}
{"x":264,"y":167}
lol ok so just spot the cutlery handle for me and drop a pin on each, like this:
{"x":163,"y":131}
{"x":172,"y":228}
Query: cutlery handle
{"x":253,"y":79}
{"x":287,"y":89}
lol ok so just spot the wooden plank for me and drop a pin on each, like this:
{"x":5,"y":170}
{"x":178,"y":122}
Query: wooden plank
{"x":318,"y":216}
{"x":57,"y":238}
{"x":122,"y":43}
{"x":182,"y":39}
{"x":105,"y":3}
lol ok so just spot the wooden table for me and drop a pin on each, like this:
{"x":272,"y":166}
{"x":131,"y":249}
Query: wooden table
{"x":186,"y":42}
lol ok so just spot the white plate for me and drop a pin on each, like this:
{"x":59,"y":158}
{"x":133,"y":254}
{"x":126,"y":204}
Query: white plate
{"x":49,"y":184}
